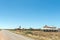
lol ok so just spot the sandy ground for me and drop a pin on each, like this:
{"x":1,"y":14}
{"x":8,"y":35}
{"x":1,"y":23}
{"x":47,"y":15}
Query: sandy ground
{"x":7,"y":35}
{"x":2,"y":37}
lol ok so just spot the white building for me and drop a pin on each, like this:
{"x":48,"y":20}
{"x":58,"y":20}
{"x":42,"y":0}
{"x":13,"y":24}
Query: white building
{"x":49,"y":28}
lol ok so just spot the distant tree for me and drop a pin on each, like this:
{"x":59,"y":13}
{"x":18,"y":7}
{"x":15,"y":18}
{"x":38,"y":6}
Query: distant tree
{"x":30,"y":29}
{"x":19,"y":27}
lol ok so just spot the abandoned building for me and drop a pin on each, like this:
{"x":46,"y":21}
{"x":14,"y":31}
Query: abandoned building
{"x":49,"y":29}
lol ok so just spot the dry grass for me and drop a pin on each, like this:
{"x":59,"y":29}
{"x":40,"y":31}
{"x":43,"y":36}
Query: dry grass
{"x":46,"y":35}
{"x":39,"y":35}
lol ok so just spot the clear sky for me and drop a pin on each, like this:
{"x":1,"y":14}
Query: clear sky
{"x":29,"y":13}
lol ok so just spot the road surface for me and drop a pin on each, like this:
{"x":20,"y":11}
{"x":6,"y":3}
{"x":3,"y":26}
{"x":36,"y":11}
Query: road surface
{"x":7,"y":35}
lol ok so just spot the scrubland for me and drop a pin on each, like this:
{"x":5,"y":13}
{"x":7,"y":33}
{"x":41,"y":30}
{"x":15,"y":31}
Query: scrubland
{"x":40,"y":35}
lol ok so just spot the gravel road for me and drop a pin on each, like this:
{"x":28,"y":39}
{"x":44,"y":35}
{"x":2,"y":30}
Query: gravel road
{"x":7,"y":35}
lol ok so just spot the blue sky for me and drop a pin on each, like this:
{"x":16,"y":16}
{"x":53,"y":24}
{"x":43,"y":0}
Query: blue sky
{"x":29,"y":13}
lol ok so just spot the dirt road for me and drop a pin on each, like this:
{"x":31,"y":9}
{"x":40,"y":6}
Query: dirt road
{"x":7,"y":35}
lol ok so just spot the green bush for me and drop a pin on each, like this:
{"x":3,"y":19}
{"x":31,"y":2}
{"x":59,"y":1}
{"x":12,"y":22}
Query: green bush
{"x":28,"y":32}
